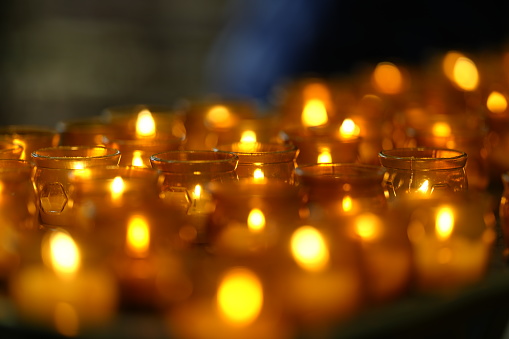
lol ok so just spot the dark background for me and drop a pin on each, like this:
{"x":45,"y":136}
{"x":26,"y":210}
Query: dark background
{"x":62,"y":59}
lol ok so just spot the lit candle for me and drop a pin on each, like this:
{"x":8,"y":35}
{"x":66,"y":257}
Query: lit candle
{"x":385,"y":255}
{"x":145,"y":124}
{"x":321,"y":289}
{"x":314,"y":113}
{"x":451,"y":247}
{"x":62,"y":293}
{"x":349,"y":129}
{"x":238,"y":308}
{"x":324,"y":156}
{"x":200,"y":201}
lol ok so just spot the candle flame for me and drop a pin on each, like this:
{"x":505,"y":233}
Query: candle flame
{"x":117,"y":188}
{"x":248,"y":136}
{"x":368,"y":226}
{"x":347,"y":203}
{"x":441,"y":129}
{"x":258,"y":174}
{"x":240,"y":296}
{"x":309,"y":249}
{"x":444,"y":223}
{"x":23,"y":144}
{"x":219,"y":116}
{"x":247,"y":142}
{"x":314,"y":113}
{"x":349,"y":129}
{"x":496,"y":102}
{"x":256,"y":220}
{"x":424,"y":187}
{"x":465,"y":74}
{"x":137,"y":159}
{"x":387,"y":78}
{"x":145,"y":124}
{"x":64,"y":254}
{"x":324,"y":156}
{"x":197,"y":192}
{"x":137,"y":237}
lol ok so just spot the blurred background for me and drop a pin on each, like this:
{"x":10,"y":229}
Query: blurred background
{"x":65,"y":59}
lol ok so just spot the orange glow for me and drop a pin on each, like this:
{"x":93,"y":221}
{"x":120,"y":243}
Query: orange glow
{"x":318,"y":91}
{"x":441,"y":129}
{"x":145,"y":124}
{"x":448,"y":63}
{"x":368,"y":226}
{"x":309,"y":249}
{"x":137,"y":237}
{"x":62,"y":254}
{"x":248,"y":136}
{"x":240,"y":296}
{"x":258,"y":174}
{"x":349,"y":129}
{"x":137,"y":160}
{"x":247,"y":142}
{"x":66,"y":319}
{"x":424,"y":187}
{"x":465,"y":74}
{"x":20,"y":142}
{"x":220,"y":117}
{"x":387,"y":78}
{"x":256,"y":220}
{"x":197,"y":192}
{"x":314,"y":113}
{"x":347,"y":203}
{"x":117,"y":188}
{"x":324,"y":156}
{"x":496,"y":102}
{"x":444,"y":223}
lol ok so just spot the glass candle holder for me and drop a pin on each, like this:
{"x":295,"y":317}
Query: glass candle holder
{"x":319,"y":278}
{"x":473,"y":144}
{"x":10,"y":150}
{"x":186,"y":176}
{"x":423,"y":170}
{"x":451,"y":238}
{"x":264,"y":160}
{"x":322,"y":144}
{"x":103,"y":192}
{"x":339,"y":190}
{"x":19,"y":203}
{"x":85,"y":132}
{"x":213,"y":312}
{"x":137,"y":152}
{"x":385,"y":254}
{"x":59,"y":289}
{"x":251,"y":216}
{"x":30,"y":137}
{"x":118,"y":209}
{"x":19,"y":211}
{"x":53,"y":167}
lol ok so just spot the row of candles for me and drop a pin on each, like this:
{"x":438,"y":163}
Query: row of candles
{"x":228,"y":223}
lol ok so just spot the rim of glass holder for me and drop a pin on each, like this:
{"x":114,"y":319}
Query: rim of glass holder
{"x":10,"y":150}
{"x":185,"y":161}
{"x":422,"y":158}
{"x":27,"y":131}
{"x":340,"y":173}
{"x":69,"y":157}
{"x":261,"y":152}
